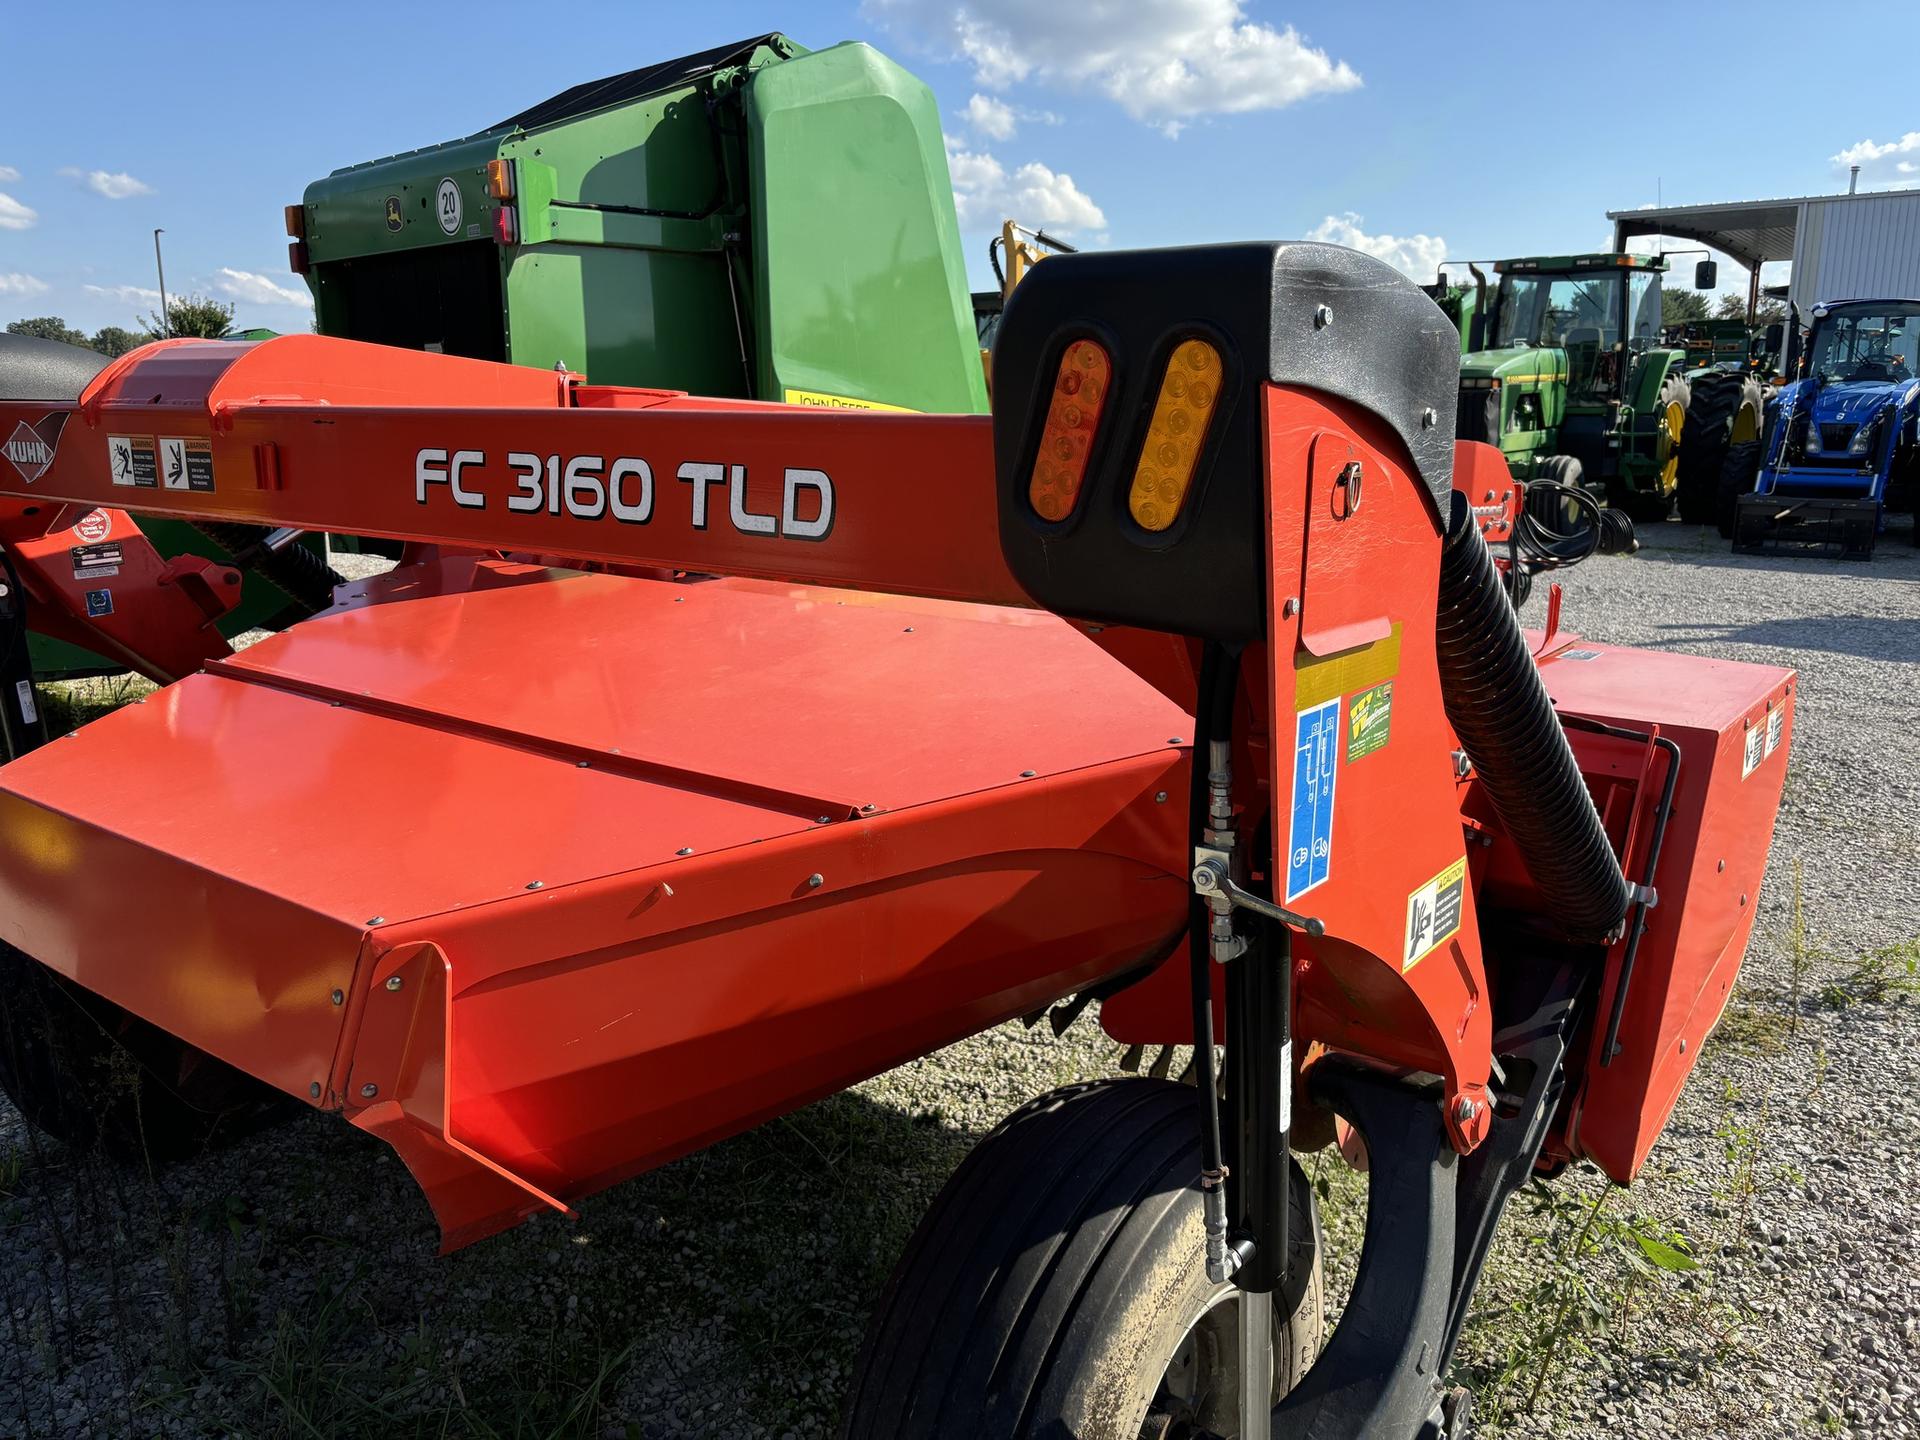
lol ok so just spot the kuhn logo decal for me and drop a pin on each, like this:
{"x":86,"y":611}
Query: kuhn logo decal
{"x":31,"y":448}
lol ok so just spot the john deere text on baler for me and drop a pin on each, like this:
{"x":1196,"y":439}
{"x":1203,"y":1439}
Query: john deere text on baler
{"x":1842,"y":442}
{"x":659,"y":858}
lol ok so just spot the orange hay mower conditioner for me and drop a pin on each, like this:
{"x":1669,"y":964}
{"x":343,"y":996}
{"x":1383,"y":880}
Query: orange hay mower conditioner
{"x":1185,"y":680}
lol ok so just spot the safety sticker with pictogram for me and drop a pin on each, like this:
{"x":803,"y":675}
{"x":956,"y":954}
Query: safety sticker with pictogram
{"x":1433,"y":914}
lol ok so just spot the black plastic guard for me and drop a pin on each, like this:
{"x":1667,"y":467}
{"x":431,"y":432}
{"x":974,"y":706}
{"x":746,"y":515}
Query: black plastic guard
{"x":1299,"y":314}
{"x":1379,"y":1378}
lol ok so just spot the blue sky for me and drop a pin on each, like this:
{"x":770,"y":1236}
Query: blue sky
{"x":1472,"y":131}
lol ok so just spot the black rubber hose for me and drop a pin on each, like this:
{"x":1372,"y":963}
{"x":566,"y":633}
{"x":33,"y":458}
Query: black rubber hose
{"x":307,"y":578}
{"x":1499,"y":708}
{"x":1213,"y":720}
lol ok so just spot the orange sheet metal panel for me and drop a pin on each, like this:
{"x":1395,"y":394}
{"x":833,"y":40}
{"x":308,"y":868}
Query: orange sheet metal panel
{"x":559,"y":802}
{"x":1733,"y":723}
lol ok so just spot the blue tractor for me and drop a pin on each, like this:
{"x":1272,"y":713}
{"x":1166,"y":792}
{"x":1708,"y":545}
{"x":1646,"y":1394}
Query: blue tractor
{"x":1840,"y":449}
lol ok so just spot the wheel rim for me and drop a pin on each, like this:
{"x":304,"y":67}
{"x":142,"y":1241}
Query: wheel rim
{"x":1199,"y":1390}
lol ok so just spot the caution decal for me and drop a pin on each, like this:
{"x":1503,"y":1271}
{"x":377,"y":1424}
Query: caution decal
{"x":1433,"y":914}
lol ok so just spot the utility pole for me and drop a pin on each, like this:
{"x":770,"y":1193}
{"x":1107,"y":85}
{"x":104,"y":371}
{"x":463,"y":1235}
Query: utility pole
{"x":166,"y":320}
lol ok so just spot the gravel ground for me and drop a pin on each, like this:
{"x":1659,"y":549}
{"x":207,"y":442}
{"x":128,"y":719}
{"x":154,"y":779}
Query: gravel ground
{"x":288,"y":1286}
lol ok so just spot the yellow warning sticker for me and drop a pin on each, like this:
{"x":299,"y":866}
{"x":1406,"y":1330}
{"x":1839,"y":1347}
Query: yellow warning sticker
{"x":822,"y":401}
{"x":1433,"y":914}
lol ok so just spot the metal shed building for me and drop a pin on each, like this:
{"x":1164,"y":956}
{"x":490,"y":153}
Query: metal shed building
{"x":1842,"y":247}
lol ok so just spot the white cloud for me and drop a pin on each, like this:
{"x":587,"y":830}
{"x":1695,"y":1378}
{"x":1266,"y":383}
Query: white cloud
{"x":12,"y":282}
{"x":114,"y":185}
{"x":993,"y":118}
{"x":1415,"y":255}
{"x":126,"y":294}
{"x":14,"y":215}
{"x":984,"y":194}
{"x":1895,"y":157}
{"x":1164,"y":63}
{"x":256,"y":289}
{"x":7,"y":172}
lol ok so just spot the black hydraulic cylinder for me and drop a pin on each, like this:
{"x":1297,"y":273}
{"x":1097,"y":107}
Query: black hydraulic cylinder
{"x":1259,"y":1078}
{"x":1499,"y":707}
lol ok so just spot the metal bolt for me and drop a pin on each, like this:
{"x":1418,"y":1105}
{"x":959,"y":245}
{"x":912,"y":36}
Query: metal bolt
{"x":536,"y":884}
{"x":1489,"y":497}
{"x":684,"y":850}
{"x":1429,"y":418}
{"x":581,"y":764}
{"x":376,"y":920}
{"x":823,"y":819}
{"x":1175,"y":740}
{"x":1743,"y":902}
{"x":339,"y":997}
{"x":907,"y":631}
{"x":816,"y":880}
{"x":314,"y":1090}
{"x":868,"y":809}
{"x":1722,"y":868}
{"x":1026,"y":774}
{"x":1683,"y":1044}
{"x":1290,"y":606}
{"x":1095,"y":629}
{"x":1322,"y":316}
{"x":1159,"y":797}
{"x":1464,"y":1110}
{"x":369,"y":1090}
{"x":394,"y":982}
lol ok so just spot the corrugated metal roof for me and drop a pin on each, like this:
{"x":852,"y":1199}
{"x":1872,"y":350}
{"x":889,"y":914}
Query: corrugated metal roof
{"x":1751,"y":231}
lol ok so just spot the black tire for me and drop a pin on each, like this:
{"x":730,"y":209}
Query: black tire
{"x":1058,"y":1274}
{"x":83,"y":1071}
{"x":1737,"y":475}
{"x":1652,"y":505}
{"x":1703,"y":443}
{"x":1555,"y":512}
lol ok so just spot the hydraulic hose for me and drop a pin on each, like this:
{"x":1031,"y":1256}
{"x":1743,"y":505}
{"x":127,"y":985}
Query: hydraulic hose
{"x":1498,"y":706}
{"x":307,"y":578}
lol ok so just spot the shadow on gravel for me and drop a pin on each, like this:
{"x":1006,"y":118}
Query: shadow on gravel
{"x":1895,"y":557}
{"x":1871,"y":637}
{"x":289,"y":1287}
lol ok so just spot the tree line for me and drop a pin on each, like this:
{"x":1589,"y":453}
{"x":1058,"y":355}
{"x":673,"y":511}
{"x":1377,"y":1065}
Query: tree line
{"x":193,"y":316}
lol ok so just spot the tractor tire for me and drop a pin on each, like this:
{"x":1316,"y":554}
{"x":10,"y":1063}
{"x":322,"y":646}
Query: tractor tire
{"x":1058,"y":1286}
{"x":1737,"y":474}
{"x":1652,"y":505}
{"x":83,"y":1071}
{"x":1724,"y":409}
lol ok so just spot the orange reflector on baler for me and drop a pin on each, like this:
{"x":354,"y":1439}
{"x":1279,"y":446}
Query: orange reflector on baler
{"x":1073,"y":414}
{"x":500,"y":179}
{"x":1188,"y":393}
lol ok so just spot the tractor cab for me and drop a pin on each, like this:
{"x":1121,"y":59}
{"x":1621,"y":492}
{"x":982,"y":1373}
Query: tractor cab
{"x":1568,"y":367}
{"x":1603,"y":310}
{"x":1842,"y":443}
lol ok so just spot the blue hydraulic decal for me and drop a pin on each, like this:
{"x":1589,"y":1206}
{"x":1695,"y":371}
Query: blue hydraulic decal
{"x":1316,"y":756}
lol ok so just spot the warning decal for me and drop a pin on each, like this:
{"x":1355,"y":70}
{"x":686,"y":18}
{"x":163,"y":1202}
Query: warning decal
{"x":1755,"y":752}
{"x":1316,"y":759}
{"x":1369,"y":718}
{"x":1433,"y":914}
{"x":821,"y":400}
{"x":1776,"y":725}
{"x":132,"y":461}
{"x":186,"y":462}
{"x":93,"y":527}
{"x":99,"y":603}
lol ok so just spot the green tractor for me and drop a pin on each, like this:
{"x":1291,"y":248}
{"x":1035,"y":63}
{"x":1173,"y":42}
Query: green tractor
{"x":1563,"y":369}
